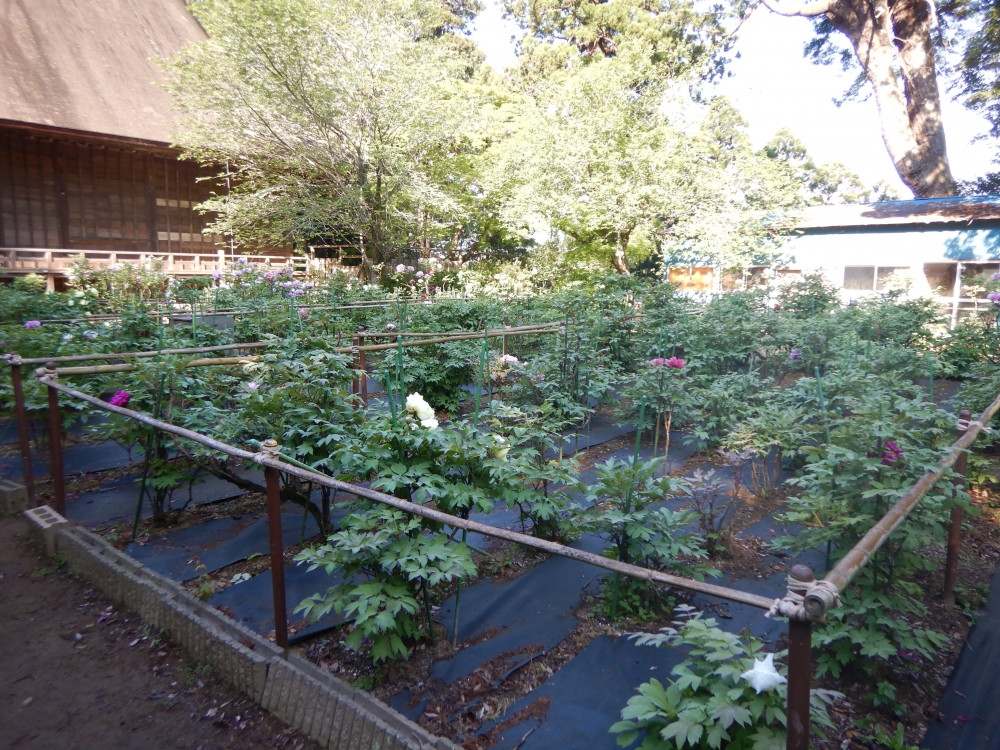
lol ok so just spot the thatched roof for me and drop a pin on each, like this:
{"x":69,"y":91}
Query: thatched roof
{"x":87,"y":65}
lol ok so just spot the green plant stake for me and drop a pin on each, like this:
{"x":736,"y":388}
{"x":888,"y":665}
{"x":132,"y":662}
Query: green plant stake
{"x":635,"y":451}
{"x":822,"y":406}
{"x":479,"y":383}
{"x":399,"y":371}
{"x":152,"y":444}
{"x":619,"y":583}
{"x":930,"y":377}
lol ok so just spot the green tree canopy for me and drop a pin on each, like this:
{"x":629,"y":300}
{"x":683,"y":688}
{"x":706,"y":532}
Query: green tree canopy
{"x":348,"y":116}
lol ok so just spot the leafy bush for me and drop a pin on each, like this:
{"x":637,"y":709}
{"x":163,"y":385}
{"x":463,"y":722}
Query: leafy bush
{"x":398,"y":561}
{"x":709,"y":704}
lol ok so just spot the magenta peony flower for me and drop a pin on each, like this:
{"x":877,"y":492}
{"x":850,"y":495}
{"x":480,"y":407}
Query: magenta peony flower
{"x":32,"y":323}
{"x":794,"y":354}
{"x":892,"y":454}
{"x":120,"y":398}
{"x":676,"y":362}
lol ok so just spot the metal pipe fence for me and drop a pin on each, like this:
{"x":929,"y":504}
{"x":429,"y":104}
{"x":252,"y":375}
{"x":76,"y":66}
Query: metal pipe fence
{"x":807,"y":600}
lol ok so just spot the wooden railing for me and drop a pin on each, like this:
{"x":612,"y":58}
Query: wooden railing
{"x":20,"y":260}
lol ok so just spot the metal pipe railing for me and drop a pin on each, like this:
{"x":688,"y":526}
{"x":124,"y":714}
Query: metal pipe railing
{"x":211,"y":361}
{"x":554,"y":548}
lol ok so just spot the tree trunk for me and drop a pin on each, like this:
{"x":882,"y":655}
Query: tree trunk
{"x":892,"y":43}
{"x":618,"y":261}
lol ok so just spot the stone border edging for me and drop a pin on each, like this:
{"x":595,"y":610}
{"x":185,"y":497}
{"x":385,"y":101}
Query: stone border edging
{"x":314,"y":702}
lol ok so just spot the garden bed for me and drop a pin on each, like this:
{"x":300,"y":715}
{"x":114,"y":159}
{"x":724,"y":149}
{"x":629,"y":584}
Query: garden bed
{"x":475,"y":708}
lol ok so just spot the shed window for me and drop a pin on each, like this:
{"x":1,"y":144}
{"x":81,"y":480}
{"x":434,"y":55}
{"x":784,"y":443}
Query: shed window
{"x":860,"y":278}
{"x":868,"y":278}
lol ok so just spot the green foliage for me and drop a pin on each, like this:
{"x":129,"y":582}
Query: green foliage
{"x":808,"y":296}
{"x":968,"y":344}
{"x":894,"y":741}
{"x":120,"y":285}
{"x":436,"y":372}
{"x":623,"y":507}
{"x":848,"y":484}
{"x":875,"y":630}
{"x":397,"y":561}
{"x":707,"y":704}
{"x":31,"y":283}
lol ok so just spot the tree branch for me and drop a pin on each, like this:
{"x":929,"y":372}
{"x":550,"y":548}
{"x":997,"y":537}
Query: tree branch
{"x":800,"y":7}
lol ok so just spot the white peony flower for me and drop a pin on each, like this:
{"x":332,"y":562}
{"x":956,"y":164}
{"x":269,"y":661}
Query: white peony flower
{"x":763,"y":676}
{"x":501,"y":448}
{"x":416,"y":404}
{"x":430,"y":424}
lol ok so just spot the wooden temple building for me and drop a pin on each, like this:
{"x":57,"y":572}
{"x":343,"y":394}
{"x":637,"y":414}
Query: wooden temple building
{"x":86,"y":165}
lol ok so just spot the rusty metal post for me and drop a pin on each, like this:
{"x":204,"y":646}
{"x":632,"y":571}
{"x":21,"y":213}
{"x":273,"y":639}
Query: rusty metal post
{"x":55,"y":443}
{"x":23,"y":437}
{"x":799,"y":667}
{"x":955,"y":528}
{"x":277,"y":547}
{"x":362,"y":365}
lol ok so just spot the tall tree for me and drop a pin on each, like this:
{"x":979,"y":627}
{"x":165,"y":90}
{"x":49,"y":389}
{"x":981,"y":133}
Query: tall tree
{"x":894,"y":43}
{"x":820,"y":184}
{"x":590,"y":149}
{"x":980,"y":81}
{"x":328,"y":116}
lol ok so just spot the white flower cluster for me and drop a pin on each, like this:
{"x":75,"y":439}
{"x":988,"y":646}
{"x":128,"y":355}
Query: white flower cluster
{"x":421,"y":410}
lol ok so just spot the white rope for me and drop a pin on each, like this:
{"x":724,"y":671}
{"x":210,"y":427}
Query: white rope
{"x":965,"y":424}
{"x":792,"y":605}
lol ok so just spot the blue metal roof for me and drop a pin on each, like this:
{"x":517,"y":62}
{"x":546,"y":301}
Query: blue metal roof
{"x":967,"y":210}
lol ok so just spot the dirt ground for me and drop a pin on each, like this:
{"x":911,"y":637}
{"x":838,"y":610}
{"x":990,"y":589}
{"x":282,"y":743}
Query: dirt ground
{"x":78,"y":672}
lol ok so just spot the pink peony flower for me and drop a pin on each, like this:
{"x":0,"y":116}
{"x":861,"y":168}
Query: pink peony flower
{"x":120,"y":398}
{"x":675,"y":362}
{"x":32,"y":323}
{"x":303,"y":312}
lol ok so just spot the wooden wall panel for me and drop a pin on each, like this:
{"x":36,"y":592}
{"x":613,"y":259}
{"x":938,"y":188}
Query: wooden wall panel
{"x":73,"y":193}
{"x":179,"y":188}
{"x":105,"y":196}
{"x":29,"y":198}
